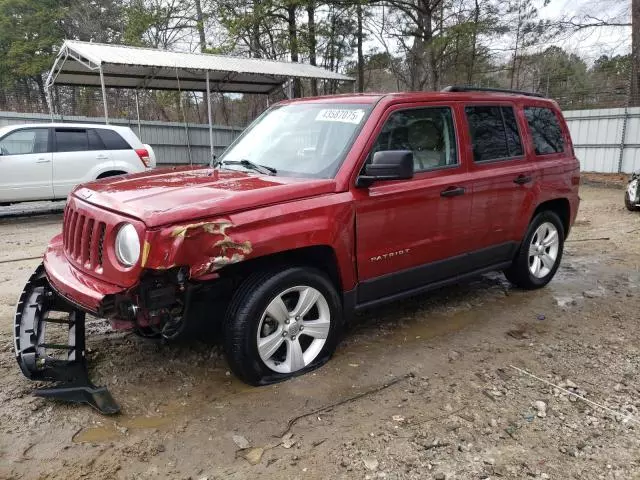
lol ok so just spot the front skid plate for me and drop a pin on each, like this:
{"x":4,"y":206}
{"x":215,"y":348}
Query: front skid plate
{"x":71,"y":378}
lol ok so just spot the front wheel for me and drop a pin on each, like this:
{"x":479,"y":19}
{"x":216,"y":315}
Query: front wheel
{"x":540,"y":253}
{"x":282,"y":324}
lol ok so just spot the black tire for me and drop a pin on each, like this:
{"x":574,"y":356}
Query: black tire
{"x":519,"y":273}
{"x":245,"y":312}
{"x":110,"y":174}
{"x":627,"y":203}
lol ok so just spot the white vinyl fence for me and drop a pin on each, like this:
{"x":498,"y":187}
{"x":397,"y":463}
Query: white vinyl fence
{"x":606,"y":140}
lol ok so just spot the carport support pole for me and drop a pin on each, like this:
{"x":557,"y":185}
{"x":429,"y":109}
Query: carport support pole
{"x":209,"y":114}
{"x":49,"y":102}
{"x":138,"y":115}
{"x":104,"y":97}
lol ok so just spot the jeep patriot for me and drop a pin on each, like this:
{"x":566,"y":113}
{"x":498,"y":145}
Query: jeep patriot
{"x":322,"y":207}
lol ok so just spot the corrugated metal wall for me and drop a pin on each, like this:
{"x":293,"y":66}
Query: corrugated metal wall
{"x":598,"y":139}
{"x":169,"y":140}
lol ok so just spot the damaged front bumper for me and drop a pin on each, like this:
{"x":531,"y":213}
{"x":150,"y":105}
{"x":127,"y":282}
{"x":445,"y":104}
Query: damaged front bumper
{"x":58,"y":296}
{"x":63,"y":363}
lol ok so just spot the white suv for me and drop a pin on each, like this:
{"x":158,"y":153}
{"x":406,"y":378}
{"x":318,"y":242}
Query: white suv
{"x":45,"y":161}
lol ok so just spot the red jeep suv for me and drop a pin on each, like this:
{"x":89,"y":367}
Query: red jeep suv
{"x":321,"y":208}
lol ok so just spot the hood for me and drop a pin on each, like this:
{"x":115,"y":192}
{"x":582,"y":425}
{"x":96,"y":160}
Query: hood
{"x":170,"y":195}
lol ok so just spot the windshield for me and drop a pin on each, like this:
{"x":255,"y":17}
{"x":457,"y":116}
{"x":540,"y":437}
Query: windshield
{"x":298,"y":140}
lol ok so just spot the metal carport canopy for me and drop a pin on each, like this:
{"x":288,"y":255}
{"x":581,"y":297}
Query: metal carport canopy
{"x":83,"y":63}
{"x":120,"y":66}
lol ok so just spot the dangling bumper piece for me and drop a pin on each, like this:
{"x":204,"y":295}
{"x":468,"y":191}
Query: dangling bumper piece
{"x":39,"y":305}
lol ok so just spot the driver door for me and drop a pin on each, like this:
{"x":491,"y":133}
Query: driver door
{"x":410,"y":233}
{"x":26,"y":165}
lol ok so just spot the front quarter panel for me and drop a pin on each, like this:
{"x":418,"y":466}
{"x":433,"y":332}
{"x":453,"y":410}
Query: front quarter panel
{"x":209,"y":245}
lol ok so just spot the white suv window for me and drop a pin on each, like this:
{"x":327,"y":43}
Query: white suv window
{"x":25,"y":141}
{"x":71,"y":140}
{"x":112,"y":140}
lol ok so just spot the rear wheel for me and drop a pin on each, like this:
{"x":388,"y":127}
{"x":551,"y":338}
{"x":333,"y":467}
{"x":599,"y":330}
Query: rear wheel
{"x":540,"y":253}
{"x":281,"y":324}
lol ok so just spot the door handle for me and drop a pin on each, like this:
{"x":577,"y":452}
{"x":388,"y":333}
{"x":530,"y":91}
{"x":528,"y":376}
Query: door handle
{"x":452,"y":192}
{"x":43,"y":160}
{"x":522,"y":179}
{"x":102,"y":157}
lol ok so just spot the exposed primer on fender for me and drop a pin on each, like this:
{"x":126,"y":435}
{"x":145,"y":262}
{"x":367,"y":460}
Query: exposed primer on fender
{"x":231,"y":251}
{"x":228,"y":244}
{"x":209,"y":227}
{"x":219,"y":262}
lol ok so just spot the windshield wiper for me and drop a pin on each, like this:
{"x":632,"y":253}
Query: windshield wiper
{"x":249,"y":164}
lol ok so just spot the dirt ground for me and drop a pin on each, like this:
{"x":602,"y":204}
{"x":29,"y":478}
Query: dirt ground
{"x":419,"y":389}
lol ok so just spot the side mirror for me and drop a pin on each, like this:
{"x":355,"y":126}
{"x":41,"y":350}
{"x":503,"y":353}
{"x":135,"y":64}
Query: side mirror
{"x":387,"y":165}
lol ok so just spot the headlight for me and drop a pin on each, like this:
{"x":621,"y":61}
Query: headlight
{"x":127,"y":245}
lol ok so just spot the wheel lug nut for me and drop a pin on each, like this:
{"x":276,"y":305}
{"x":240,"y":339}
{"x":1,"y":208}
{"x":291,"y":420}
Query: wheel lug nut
{"x":297,"y":317}
{"x":301,"y":327}
{"x":284,"y":334}
{"x":286,"y":321}
{"x":293,"y":337}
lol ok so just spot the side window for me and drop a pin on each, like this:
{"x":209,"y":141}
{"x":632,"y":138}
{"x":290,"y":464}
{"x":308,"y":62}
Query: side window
{"x":427,"y":132}
{"x":514,"y":144}
{"x":26,"y":141}
{"x":545,"y":130}
{"x":112,"y":140}
{"x":71,"y":140}
{"x":494,"y":133}
{"x":95,"y":142}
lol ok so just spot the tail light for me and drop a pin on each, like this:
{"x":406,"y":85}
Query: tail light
{"x":143,"y":153}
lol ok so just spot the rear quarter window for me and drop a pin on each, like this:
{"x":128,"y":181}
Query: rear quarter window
{"x":546,"y":132}
{"x":112,"y":140}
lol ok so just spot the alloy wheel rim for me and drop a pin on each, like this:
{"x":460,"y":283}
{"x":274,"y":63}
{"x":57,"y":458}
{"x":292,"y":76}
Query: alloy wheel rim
{"x":543,"y":250}
{"x":293,"y":329}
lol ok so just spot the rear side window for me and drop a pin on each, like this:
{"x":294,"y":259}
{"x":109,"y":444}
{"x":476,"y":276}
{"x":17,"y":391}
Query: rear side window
{"x":545,"y":130}
{"x":112,"y":140}
{"x":494,"y":133}
{"x":71,"y":140}
{"x":95,"y":142}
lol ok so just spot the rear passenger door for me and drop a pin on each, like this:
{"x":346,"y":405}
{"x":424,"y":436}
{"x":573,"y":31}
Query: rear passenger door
{"x":503,"y":178}
{"x":79,"y":156}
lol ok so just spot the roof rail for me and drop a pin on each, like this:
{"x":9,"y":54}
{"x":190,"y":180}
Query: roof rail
{"x":459,"y":88}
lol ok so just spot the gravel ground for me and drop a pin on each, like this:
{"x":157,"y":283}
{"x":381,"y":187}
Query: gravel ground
{"x":423,"y":389}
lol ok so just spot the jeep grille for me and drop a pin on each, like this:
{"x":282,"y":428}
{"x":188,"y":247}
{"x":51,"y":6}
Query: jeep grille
{"x":83,"y":238}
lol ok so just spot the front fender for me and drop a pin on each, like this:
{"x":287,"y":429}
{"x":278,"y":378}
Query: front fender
{"x":208,"y":245}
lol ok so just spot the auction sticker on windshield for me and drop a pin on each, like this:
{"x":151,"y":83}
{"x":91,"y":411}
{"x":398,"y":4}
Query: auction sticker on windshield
{"x":339,"y":115}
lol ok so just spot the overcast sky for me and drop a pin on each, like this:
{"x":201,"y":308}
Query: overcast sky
{"x":591,"y":43}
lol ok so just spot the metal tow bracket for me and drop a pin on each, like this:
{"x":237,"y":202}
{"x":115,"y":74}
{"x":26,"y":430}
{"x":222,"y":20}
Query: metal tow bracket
{"x":71,"y":377}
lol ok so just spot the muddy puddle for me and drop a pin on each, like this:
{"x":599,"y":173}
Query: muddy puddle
{"x":107,"y":431}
